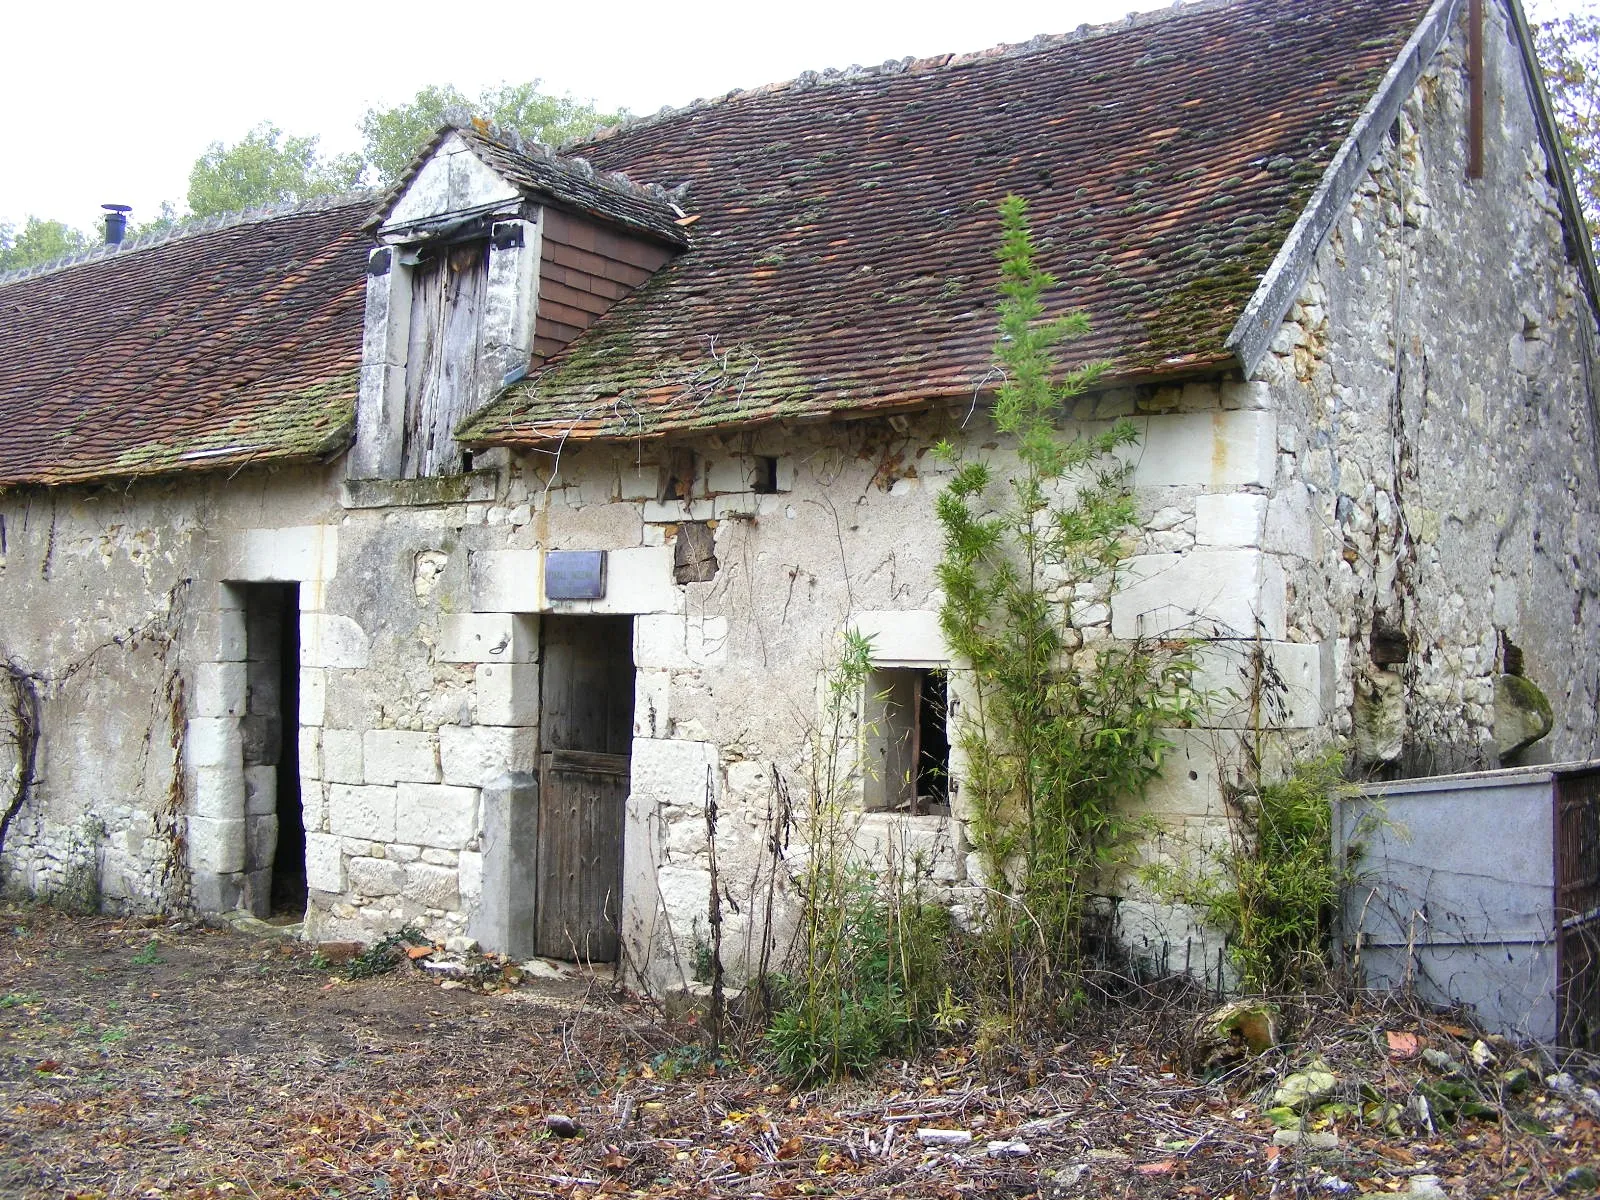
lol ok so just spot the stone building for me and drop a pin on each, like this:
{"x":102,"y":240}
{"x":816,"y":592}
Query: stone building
{"x":435,"y":557}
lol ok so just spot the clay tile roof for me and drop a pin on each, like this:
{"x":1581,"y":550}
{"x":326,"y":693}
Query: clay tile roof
{"x":843,"y":259}
{"x":236,"y":342}
{"x":568,"y":182}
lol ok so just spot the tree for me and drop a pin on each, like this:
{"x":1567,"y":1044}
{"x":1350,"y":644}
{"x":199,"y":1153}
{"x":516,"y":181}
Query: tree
{"x":266,"y":167}
{"x":1569,"y":49}
{"x":394,"y":136}
{"x":39,"y":241}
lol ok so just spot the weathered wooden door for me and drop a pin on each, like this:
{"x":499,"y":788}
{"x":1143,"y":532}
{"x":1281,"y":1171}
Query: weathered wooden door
{"x":586,"y":732}
{"x":447,"y":293}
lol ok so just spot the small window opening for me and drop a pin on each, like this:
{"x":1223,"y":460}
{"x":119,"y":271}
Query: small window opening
{"x":678,"y":475}
{"x":466,"y":461}
{"x":906,"y":731}
{"x":764,"y":475}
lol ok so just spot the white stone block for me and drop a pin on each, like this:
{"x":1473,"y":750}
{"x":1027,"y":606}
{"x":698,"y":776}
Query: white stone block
{"x":729,"y":473}
{"x":287,"y":555}
{"x":433,"y":887}
{"x":324,"y":863}
{"x":217,"y":844}
{"x":508,"y":693}
{"x":399,"y":756}
{"x":639,"y":579}
{"x":652,"y":701}
{"x":1291,"y":527}
{"x":475,"y":755}
{"x":1252,"y":394}
{"x":310,"y":747}
{"x":341,"y":756}
{"x":1219,"y":450}
{"x":669,"y":772}
{"x":313,"y":804}
{"x":313,"y":695}
{"x":217,"y":689}
{"x":217,"y":791}
{"x":436,"y":815}
{"x":375,"y":876}
{"x":331,"y":640}
{"x":669,"y":641}
{"x":487,"y":637}
{"x":260,"y":790}
{"x":213,"y":742}
{"x":1228,"y":672}
{"x":502,"y":581}
{"x":641,"y":481}
{"x":361,"y":811}
{"x":470,"y":871}
{"x":219,"y":636}
{"x":903,"y":637}
{"x":1227,"y":593}
{"x":1229,"y":519}
{"x":261,"y":840}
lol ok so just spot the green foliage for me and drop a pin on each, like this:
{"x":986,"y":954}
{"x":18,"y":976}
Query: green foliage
{"x":385,"y":954}
{"x":394,"y":136}
{"x":865,"y":978}
{"x":1053,"y":744}
{"x":266,"y":167}
{"x":149,"y":956}
{"x":39,"y":241}
{"x":1569,"y":51}
{"x":1274,"y":889}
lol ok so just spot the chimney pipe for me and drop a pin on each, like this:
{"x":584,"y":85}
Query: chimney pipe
{"x":116,"y":222}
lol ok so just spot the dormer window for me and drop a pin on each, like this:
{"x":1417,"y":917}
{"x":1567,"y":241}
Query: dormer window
{"x":454,"y":304}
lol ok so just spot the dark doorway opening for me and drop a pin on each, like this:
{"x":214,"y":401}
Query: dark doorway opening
{"x":586,"y":738}
{"x":271,"y":736}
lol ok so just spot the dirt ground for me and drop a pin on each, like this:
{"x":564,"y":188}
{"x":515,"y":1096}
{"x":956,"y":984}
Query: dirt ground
{"x":145,"y":1059}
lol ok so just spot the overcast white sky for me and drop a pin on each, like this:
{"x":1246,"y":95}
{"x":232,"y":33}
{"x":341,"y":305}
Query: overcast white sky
{"x":113,"y":102}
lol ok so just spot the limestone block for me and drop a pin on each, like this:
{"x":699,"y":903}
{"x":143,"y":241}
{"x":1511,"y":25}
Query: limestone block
{"x":1222,"y":450}
{"x":474,"y":755}
{"x":313,"y":695}
{"x":260,"y":790}
{"x":639,"y":579}
{"x":1289,"y":527}
{"x":1229,"y":519}
{"x":432,"y":886}
{"x":361,"y":811}
{"x":430,"y":814}
{"x":1189,"y":786}
{"x":749,"y":784}
{"x":442,"y":858}
{"x":216,"y":844}
{"x":508,"y":693}
{"x":671,"y":512}
{"x":1522,"y":714}
{"x":331,"y":640}
{"x":1236,"y":592}
{"x":286,"y":555}
{"x":217,"y":689}
{"x":470,"y":874}
{"x":213,"y":742}
{"x":669,"y":641}
{"x":375,"y":876}
{"x":641,"y":481}
{"x":261,"y":840}
{"x":341,"y":756}
{"x":313,"y":803}
{"x":506,"y":581}
{"x":487,"y":637}
{"x":1227,"y":672}
{"x":216,"y":893}
{"x":399,"y":755}
{"x":324,"y":863}
{"x":729,"y":473}
{"x":668,"y":772}
{"x":217,"y":791}
{"x":651,"y":702}
{"x":685,"y":895}
{"x":904,"y":637}
{"x":1241,"y":394}
{"x":219,"y":635}
{"x":310,"y":748}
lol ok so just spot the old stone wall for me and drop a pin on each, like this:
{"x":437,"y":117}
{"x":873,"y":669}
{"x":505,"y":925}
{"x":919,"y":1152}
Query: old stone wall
{"x":1438,"y":441}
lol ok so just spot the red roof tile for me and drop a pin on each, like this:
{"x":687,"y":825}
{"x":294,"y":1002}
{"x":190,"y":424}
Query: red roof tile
{"x":843,"y":259}
{"x":233,"y":344}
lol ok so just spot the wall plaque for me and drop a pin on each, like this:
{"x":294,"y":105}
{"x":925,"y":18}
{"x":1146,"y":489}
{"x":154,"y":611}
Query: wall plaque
{"x":575,"y":574}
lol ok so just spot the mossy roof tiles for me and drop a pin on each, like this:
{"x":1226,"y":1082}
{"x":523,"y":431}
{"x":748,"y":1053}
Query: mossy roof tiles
{"x":843,"y":256}
{"x":234,"y":344}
